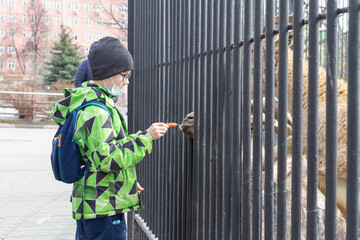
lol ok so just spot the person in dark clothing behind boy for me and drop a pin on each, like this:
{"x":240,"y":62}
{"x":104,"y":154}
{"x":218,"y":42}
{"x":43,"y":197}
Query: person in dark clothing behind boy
{"x":110,"y":188}
{"x":83,"y":73}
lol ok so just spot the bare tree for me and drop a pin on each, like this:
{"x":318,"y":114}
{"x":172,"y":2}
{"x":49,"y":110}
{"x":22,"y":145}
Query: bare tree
{"x":12,"y":47}
{"x":37,"y":44}
{"x":112,"y":14}
{"x":33,"y":49}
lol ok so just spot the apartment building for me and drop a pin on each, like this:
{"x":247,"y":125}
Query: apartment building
{"x":28,"y":29}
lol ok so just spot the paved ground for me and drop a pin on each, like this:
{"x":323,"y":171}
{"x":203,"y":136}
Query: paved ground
{"x":32,"y":204}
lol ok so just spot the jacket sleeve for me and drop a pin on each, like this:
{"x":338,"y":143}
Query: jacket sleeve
{"x":96,"y":139}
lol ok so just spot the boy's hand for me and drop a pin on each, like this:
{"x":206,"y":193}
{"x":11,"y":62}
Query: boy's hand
{"x":157,"y":130}
{"x":139,"y":188}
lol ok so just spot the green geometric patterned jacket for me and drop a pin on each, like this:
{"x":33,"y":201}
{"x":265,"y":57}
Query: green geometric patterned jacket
{"x":110,"y":187}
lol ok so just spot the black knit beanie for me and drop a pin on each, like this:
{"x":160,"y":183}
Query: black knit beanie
{"x":108,"y":57}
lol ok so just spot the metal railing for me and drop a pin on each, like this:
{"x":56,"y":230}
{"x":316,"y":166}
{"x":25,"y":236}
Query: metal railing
{"x":214,"y":58}
{"x":29,"y":106}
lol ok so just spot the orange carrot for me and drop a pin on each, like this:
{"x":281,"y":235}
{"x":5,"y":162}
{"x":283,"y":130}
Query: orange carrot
{"x":171,"y":125}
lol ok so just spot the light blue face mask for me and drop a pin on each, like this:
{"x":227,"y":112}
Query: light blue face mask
{"x":115,"y":90}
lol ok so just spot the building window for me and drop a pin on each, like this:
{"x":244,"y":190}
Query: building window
{"x":76,"y":21}
{"x":122,"y":24}
{"x":11,"y":33}
{"x":76,"y":36}
{"x":46,"y":20}
{"x":111,"y":23}
{"x":24,"y":65}
{"x":88,"y":37}
{"x":69,"y":5}
{"x":123,"y":9}
{"x":45,"y":35}
{"x":25,"y":34}
{"x":56,"y":35}
{"x":88,"y":6}
{"x":11,"y":65}
{"x":1,"y":17}
{"x":1,"y":49}
{"x":25,"y":3}
{"x":46,"y":4}
{"x":32,"y":3}
{"x":11,"y":17}
{"x":98,"y":8}
{"x":56,"y":20}
{"x":1,"y":2}
{"x":98,"y":36}
{"x":1,"y":33}
{"x":57,"y":5}
{"x":32,"y":19}
{"x":98,"y":22}
{"x":32,"y":35}
{"x":24,"y":50}
{"x":1,"y":64}
{"x":11,"y":2}
{"x":11,"y":50}
{"x":111,"y":8}
{"x":76,"y":7}
{"x":88,"y":22}
{"x":24,"y":18}
{"x":69,"y":21}
{"x":123,"y":38}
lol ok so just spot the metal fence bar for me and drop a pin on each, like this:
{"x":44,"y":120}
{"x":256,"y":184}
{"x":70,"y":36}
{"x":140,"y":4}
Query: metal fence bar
{"x":312,"y":131}
{"x":33,"y":93}
{"x":257,"y":111}
{"x":189,"y":96}
{"x":197,"y":234}
{"x":297,"y":119}
{"x":246,"y":120}
{"x":162,"y":168}
{"x":202,"y":128}
{"x":183,"y":77}
{"x":352,"y":194}
{"x":220,"y":122}
{"x":177,"y":157}
{"x":209,"y":207}
{"x":331,"y":121}
{"x":216,"y":210}
{"x":228,"y":116}
{"x":236,"y":187}
{"x":282,"y":192}
{"x":131,"y":44}
{"x":269,"y":122}
{"x":170,"y":138}
{"x":153,"y":94}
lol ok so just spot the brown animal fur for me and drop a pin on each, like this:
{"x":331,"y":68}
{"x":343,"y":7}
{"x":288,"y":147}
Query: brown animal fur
{"x":341,"y":123}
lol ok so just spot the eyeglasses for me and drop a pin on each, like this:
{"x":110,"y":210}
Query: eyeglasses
{"x":126,"y":77}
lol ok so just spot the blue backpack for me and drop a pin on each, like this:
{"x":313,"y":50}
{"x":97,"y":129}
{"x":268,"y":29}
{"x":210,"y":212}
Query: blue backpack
{"x":66,"y":161}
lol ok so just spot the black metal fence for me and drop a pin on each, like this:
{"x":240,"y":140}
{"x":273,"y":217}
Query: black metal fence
{"x":211,"y":57}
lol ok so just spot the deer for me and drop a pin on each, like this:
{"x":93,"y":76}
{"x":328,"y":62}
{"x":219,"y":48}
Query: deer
{"x":187,"y":127}
{"x":342,"y":94}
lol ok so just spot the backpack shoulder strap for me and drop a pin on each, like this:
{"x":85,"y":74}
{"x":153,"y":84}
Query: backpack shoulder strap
{"x":96,"y":103}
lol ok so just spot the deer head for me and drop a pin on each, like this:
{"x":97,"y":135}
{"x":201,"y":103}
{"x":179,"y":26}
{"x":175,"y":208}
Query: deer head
{"x":187,"y":125}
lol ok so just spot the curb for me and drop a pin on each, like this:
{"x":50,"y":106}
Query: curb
{"x":14,"y":125}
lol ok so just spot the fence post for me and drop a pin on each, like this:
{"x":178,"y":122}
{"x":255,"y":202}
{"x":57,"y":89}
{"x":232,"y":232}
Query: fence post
{"x":331,"y":122}
{"x":352,"y":191}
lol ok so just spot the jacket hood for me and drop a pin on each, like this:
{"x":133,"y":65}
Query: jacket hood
{"x":76,"y":97}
